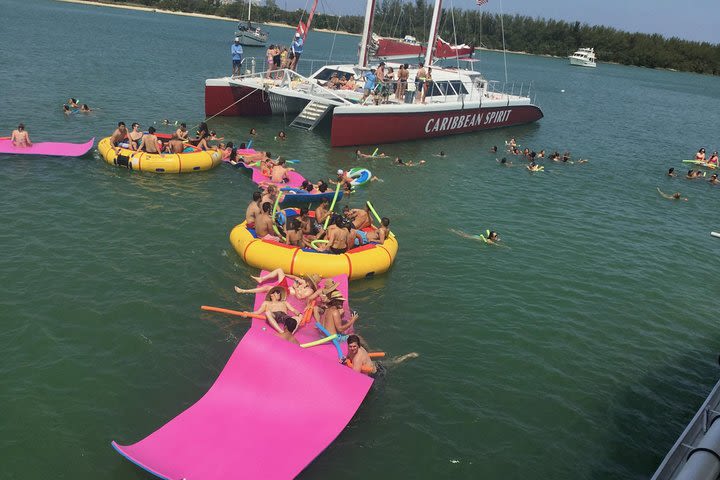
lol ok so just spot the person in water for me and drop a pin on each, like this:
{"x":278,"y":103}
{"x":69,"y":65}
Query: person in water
{"x":714,"y":179}
{"x":67,"y":110}
{"x":359,"y":356}
{"x":671,"y":172}
{"x":493,"y":149}
{"x":253,"y":132}
{"x":359,"y":154}
{"x":84,"y":108}
{"x":20,"y":137}
{"x":713,"y":159}
{"x":409,"y":163}
{"x":534,"y":167}
{"x":492,"y":237}
{"x":441,"y":154}
{"x":281,"y":135}
{"x":503,"y":161}
{"x":674,"y":196}
{"x":73,"y":103}
{"x":700,"y":155}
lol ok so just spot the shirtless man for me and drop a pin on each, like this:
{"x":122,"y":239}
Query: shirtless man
{"x":119,"y":134}
{"x":344,"y":178}
{"x":175,"y":145}
{"x":134,"y":136}
{"x":253,"y":210}
{"x":332,"y":319}
{"x":714,"y":179}
{"x":20,"y":137}
{"x":150,"y":143}
{"x":322,"y":211}
{"x":280,"y":172}
{"x":380,"y":234}
{"x":264,"y":222}
{"x":338,"y":237}
{"x":270,"y":195}
{"x":360,"y":217}
{"x":275,"y":307}
{"x":306,"y":223}
{"x":359,"y":356}
{"x":420,"y":81}
{"x":294,"y":233}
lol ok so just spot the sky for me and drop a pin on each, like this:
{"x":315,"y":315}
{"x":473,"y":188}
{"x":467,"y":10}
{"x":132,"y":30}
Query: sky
{"x":697,"y":20}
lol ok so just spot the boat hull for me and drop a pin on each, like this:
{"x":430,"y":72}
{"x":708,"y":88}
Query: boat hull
{"x":250,"y":39}
{"x":362,"y":128}
{"x":578,"y":62}
{"x":231,"y":100}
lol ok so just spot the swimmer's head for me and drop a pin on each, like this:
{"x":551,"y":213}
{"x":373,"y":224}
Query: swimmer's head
{"x":690,"y":173}
{"x":66,"y":108}
{"x":151,"y":130}
{"x":267,"y":207}
{"x":340,"y":172}
{"x":676,"y":195}
{"x":671,"y":170}
{"x":256,"y":196}
{"x":503,"y":160}
{"x":385,"y":222}
{"x":493,"y":235}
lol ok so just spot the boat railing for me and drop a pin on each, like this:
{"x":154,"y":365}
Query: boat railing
{"x":291,"y":80}
{"x":306,"y":66}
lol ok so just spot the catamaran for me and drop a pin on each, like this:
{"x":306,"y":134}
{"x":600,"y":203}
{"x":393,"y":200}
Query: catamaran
{"x":456,"y":100}
{"x":387,"y":48}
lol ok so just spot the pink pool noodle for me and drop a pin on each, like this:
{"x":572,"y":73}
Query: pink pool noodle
{"x":55,"y":149}
{"x":272,"y":410}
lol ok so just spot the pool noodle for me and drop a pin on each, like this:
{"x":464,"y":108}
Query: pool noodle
{"x":335,"y":341}
{"x":319,"y":342}
{"x":233,"y":312}
{"x":332,"y":205}
{"x":377,"y":217}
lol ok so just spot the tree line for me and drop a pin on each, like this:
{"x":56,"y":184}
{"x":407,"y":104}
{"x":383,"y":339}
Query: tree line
{"x":475,"y":27}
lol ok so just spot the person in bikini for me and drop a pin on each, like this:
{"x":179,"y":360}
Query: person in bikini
{"x":294,"y":234}
{"x":253,"y":210}
{"x":20,"y":137}
{"x":700,"y":155}
{"x":338,"y":238}
{"x":276,"y":308}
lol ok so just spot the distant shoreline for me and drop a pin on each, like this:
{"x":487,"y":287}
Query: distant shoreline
{"x":189,"y":14}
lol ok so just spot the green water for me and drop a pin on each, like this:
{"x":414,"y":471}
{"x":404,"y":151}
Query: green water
{"x":578,"y":353}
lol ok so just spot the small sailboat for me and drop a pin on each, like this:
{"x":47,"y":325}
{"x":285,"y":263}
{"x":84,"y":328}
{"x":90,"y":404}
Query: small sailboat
{"x":251,"y":36}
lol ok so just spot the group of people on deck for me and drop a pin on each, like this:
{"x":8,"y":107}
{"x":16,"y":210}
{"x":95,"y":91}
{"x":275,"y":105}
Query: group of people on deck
{"x":383,"y":82}
{"x":324,"y":305}
{"x":321,"y":230}
{"x":149,"y":142}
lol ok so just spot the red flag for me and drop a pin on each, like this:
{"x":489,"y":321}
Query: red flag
{"x":480,"y":3}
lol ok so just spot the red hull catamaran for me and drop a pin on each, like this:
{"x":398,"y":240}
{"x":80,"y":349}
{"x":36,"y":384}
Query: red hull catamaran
{"x":384,"y":48}
{"x":457,"y":100}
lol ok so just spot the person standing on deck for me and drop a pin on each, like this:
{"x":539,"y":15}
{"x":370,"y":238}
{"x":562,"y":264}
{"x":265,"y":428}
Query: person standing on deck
{"x":236,"y":51}
{"x":296,"y":48}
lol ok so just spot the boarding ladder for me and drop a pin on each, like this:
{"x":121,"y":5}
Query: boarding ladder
{"x":311,"y":115}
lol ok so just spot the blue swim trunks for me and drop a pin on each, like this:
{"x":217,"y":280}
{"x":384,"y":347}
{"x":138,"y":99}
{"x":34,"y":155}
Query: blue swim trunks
{"x":364,"y":238}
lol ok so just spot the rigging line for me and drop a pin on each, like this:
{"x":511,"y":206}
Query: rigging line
{"x":502,"y":28}
{"x":457,"y":51}
{"x":332,"y":47}
{"x":399,"y":17}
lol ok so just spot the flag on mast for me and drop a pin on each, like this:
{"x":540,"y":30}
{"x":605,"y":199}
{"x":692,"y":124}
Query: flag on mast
{"x":480,"y":3}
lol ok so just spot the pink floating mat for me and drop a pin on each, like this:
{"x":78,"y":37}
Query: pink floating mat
{"x":52,"y":149}
{"x":272,"y":410}
{"x":296,"y":179}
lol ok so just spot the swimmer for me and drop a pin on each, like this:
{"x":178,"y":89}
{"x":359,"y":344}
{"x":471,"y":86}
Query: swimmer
{"x":441,"y":154}
{"x":409,"y":163}
{"x":84,"y":108}
{"x":534,"y":167}
{"x":503,"y":161}
{"x":511,"y":144}
{"x":359,"y":154}
{"x":67,"y":110}
{"x":359,"y":356}
{"x":492,"y":237}
{"x":20,"y":137}
{"x":72,"y":102}
{"x":671,"y":172}
{"x":281,"y":136}
{"x":253,"y":132}
{"x":213,"y":136}
{"x":714,"y":179}
{"x":674,"y":196}
{"x":493,"y":149}
{"x":713,"y":159}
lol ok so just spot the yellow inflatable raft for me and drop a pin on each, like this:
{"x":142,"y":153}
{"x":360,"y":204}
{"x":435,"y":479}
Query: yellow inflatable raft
{"x":159,"y":163}
{"x":359,"y":262}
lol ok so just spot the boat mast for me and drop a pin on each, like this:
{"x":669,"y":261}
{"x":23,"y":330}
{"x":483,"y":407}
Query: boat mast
{"x":249,"y":7}
{"x":367,"y":31}
{"x":432,"y":38}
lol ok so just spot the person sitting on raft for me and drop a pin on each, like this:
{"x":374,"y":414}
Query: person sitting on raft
{"x":150,"y":143}
{"x":182,"y":132}
{"x":280,"y":172}
{"x":253,"y":210}
{"x":119,"y":135}
{"x":202,"y":137}
{"x":264,"y":223}
{"x":360,"y":218}
{"x":275,"y":307}
{"x":359,"y":356}
{"x":700,"y":155}
{"x":294,"y":234}
{"x":713,"y":159}
{"x":271,"y":194}
{"x":321,"y":212}
{"x":379,"y":235}
{"x":134,"y":136}
{"x":20,"y":137}
{"x":303,"y":288}
{"x":332,"y":319}
{"x":338,"y":237}
{"x":175,"y":145}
